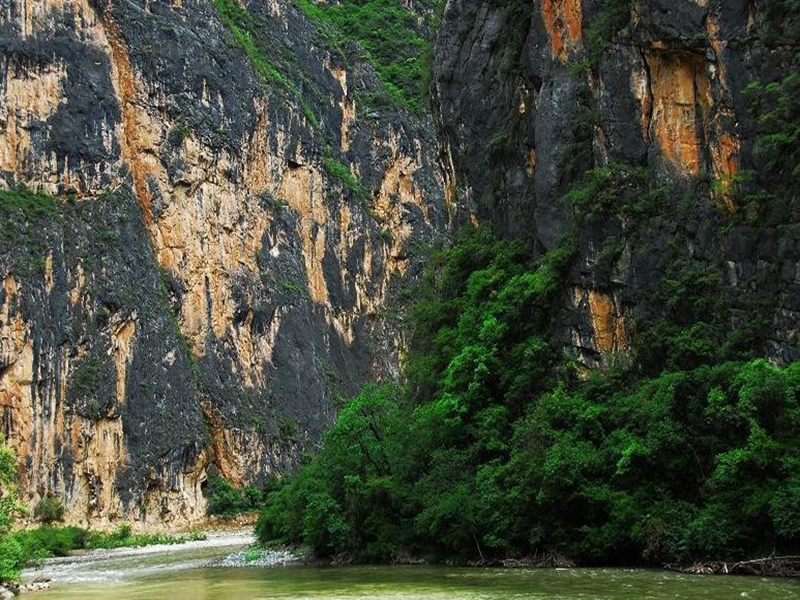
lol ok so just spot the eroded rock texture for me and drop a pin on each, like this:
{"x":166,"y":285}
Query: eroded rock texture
{"x":531,"y":95}
{"x":215,"y":282}
{"x":232,"y":231}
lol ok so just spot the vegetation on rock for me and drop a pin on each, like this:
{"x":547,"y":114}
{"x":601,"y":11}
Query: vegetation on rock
{"x":30,"y":203}
{"x":776,"y":108}
{"x":498,"y":447}
{"x":613,"y":16}
{"x":246,"y":33}
{"x":227,"y":501}
{"x":49,"y":510}
{"x":395,"y":38}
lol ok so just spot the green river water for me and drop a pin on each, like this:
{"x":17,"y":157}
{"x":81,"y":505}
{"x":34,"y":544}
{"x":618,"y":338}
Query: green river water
{"x":185,"y":574}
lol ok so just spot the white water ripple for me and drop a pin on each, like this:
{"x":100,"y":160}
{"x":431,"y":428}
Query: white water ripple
{"x":97,"y":566}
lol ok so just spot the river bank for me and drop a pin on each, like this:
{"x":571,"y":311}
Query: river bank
{"x":225,"y":566}
{"x":113,"y":565}
{"x":110,"y":565}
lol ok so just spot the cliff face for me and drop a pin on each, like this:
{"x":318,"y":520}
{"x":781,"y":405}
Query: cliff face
{"x":238,"y":206}
{"x":559,"y":87}
{"x":232,"y":222}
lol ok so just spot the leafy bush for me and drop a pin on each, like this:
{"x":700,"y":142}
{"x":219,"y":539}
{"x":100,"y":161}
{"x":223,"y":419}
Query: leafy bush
{"x":11,"y":556}
{"x":227,"y":501}
{"x":11,"y":559}
{"x":49,"y":510}
{"x":47,"y":541}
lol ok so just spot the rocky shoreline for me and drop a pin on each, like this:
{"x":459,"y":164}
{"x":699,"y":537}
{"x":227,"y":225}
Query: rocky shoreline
{"x":10,"y":590}
{"x":99,"y":565}
{"x":256,"y":557}
{"x":772,"y":566}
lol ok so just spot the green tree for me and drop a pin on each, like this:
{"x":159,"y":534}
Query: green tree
{"x":495,"y":448}
{"x":11,"y":556}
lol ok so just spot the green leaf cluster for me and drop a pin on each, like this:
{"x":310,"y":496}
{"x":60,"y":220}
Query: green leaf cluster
{"x":11,"y":555}
{"x":393,"y":37}
{"x":227,"y":501}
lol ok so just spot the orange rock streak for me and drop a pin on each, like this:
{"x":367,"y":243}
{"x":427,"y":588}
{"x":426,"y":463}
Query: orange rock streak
{"x":563,"y":20}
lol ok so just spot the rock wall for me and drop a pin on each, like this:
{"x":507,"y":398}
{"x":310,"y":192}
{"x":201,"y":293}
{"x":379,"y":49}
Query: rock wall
{"x":214,"y":282}
{"x":532,"y":95}
{"x":236,"y":214}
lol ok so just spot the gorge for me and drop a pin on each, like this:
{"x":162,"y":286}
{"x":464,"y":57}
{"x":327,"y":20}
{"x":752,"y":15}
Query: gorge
{"x":217,"y":217}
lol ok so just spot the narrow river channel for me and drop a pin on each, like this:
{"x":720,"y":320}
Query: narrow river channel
{"x":192,"y":571}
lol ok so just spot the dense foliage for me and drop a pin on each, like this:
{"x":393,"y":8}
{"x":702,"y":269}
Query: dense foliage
{"x":11,"y":556}
{"x":226,"y":500}
{"x":497,"y":448}
{"x":394,"y":37}
{"x":47,"y":541}
{"x":776,"y":107}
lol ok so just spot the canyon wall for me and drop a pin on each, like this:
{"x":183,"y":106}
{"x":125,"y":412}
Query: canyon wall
{"x":235,"y":207}
{"x":216,"y":272}
{"x":532,"y":95}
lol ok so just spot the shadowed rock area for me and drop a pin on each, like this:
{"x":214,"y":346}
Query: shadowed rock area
{"x":230,"y":223}
{"x":232,"y":206}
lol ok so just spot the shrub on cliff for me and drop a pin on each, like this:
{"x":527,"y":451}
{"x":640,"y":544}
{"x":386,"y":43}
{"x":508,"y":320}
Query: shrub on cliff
{"x":49,"y":510}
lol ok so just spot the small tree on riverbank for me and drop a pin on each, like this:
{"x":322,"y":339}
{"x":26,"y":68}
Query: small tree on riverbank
{"x":11,"y":558}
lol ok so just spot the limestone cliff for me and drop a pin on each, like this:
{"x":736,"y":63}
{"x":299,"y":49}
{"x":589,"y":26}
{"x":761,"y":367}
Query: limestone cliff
{"x":239,"y":203}
{"x":532,"y":95}
{"x":232,"y":223}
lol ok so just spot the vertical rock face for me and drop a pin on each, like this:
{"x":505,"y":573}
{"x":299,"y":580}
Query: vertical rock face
{"x":219,"y":275}
{"x":96,"y":390}
{"x":236,"y":213}
{"x":561,"y":87}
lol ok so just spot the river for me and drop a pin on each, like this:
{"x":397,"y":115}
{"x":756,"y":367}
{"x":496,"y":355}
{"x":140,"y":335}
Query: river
{"x":192,"y":572}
